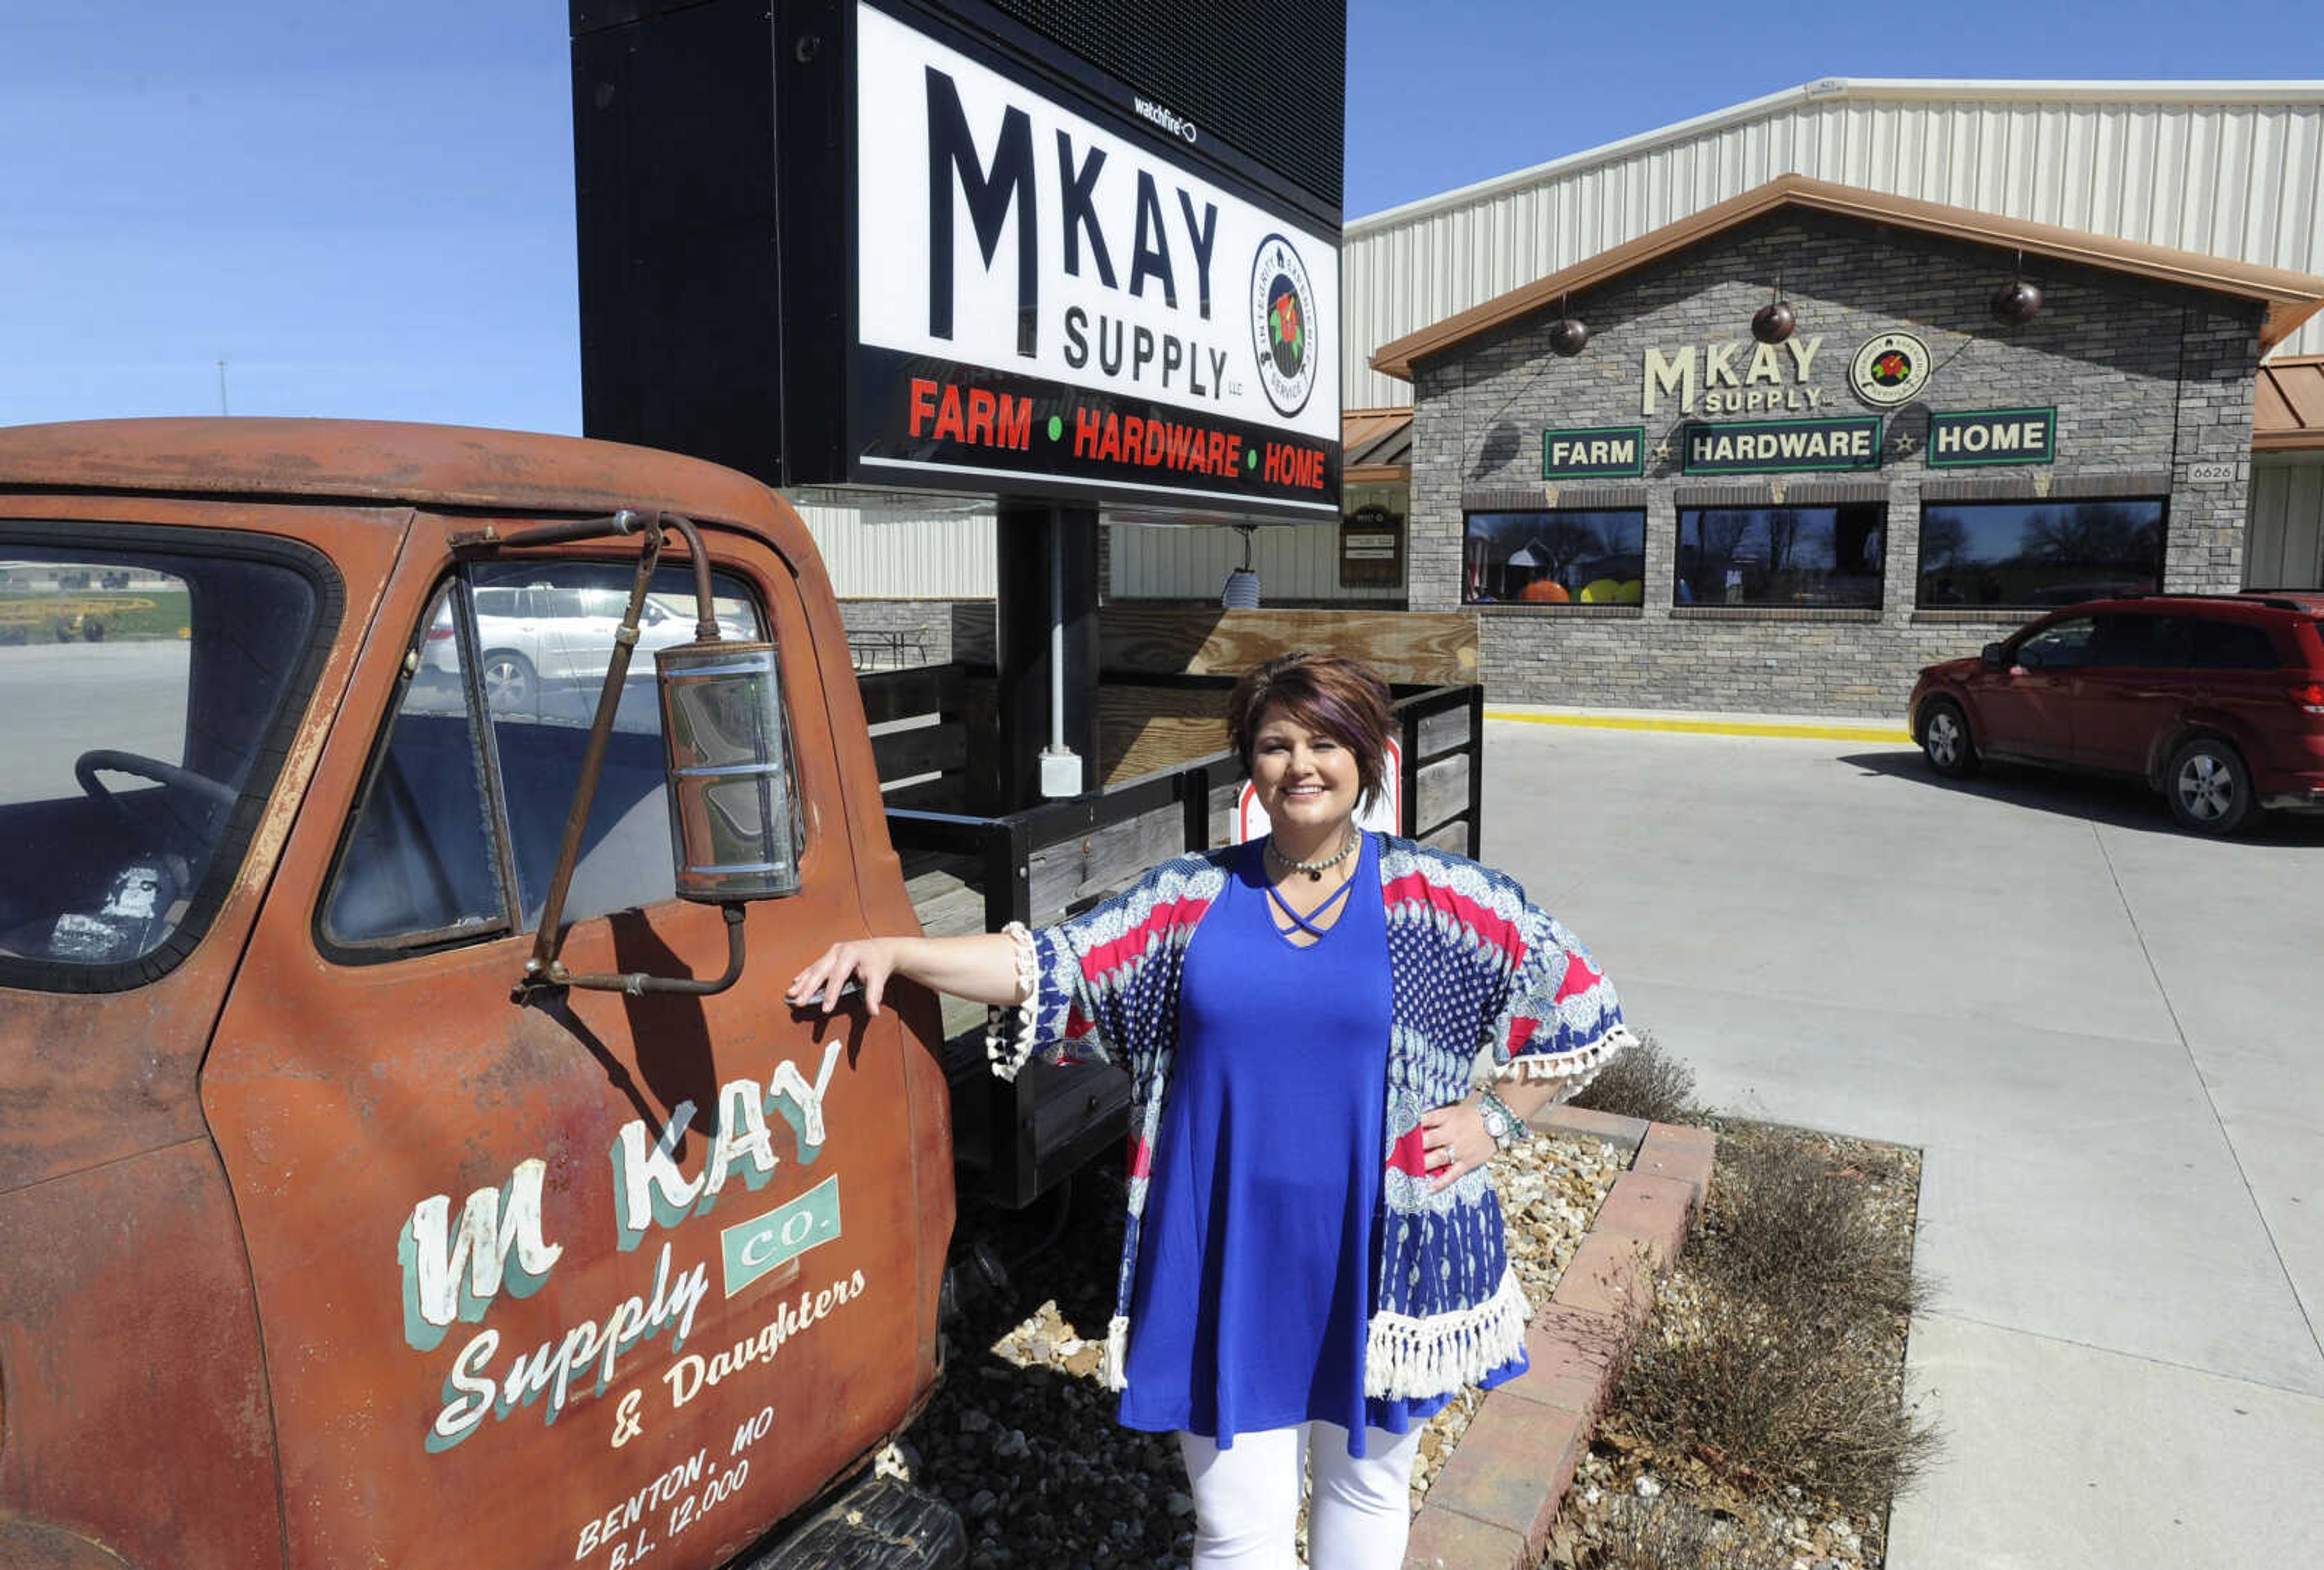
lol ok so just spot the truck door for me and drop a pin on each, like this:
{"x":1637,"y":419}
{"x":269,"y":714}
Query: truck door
{"x":593,"y":1278}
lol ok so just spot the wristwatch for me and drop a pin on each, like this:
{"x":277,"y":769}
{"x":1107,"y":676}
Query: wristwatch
{"x":1505,"y":1126}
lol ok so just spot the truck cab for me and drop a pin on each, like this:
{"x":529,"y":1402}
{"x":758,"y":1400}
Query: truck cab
{"x":324,"y":1238}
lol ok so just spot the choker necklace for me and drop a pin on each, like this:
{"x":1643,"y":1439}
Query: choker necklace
{"x":1315,"y":869}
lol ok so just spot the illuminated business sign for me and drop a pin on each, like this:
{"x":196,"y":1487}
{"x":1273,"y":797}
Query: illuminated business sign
{"x":1048,"y":302}
{"x":1980,"y":438}
{"x":1767,"y":446}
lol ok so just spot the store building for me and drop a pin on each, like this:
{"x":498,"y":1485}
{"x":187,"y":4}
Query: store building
{"x":1781,"y":454}
{"x":2232,"y":169}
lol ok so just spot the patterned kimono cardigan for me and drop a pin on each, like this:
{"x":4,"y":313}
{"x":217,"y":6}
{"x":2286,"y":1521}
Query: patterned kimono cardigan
{"x":1474,"y":966}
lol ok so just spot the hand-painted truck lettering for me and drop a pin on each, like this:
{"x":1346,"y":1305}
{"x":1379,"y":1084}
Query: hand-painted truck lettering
{"x":687,"y":1376}
{"x":550,"y":1370}
{"x":600,"y":1531}
{"x":650,"y":1190}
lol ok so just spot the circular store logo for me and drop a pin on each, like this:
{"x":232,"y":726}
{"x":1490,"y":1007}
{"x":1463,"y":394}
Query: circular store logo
{"x":1283,"y":324}
{"x":1890,"y":369}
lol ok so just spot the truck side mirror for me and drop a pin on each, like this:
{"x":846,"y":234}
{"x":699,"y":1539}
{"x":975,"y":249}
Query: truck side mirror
{"x":728,"y":771}
{"x":1993,"y":661}
{"x":730,"y":778}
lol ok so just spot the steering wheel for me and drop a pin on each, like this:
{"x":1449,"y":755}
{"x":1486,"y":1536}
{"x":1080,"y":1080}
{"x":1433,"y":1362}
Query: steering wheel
{"x":168,"y":775}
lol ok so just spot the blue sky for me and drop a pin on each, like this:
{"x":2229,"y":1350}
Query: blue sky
{"x":367,"y":211}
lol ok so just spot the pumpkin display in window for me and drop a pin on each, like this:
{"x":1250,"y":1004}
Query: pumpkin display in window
{"x":1545,"y":591}
{"x":1603,"y":591}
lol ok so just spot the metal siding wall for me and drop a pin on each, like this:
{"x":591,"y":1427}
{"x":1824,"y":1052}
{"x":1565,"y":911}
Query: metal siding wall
{"x":2286,"y":546}
{"x":893,"y":553}
{"x":2231,"y":179}
{"x":1294,"y":562}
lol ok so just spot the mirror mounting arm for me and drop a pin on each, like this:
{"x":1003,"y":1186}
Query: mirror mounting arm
{"x":636,"y":983}
{"x":543,"y":969}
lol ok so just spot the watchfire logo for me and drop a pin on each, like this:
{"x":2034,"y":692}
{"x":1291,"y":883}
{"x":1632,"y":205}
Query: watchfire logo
{"x":1176,"y":125}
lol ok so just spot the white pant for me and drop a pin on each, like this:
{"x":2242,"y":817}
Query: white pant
{"x":1246,"y":1499}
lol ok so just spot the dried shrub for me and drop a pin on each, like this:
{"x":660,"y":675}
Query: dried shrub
{"x":1771,"y":1360}
{"x":1790,"y":1228}
{"x":1664,"y":1534}
{"x":1644,"y":1082}
{"x":1759,"y":1404}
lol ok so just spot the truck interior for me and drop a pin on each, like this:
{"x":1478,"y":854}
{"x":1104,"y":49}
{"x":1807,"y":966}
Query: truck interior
{"x":129,"y":783}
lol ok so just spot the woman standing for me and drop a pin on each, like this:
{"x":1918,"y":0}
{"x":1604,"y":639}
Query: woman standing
{"x":1313,"y":1248}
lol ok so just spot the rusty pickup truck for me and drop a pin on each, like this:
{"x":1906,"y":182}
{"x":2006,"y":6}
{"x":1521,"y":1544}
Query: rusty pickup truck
{"x":388,"y":1174}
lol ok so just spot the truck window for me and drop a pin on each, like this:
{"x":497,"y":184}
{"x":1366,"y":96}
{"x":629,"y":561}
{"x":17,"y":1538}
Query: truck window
{"x":418,"y":861}
{"x":144,"y":677}
{"x":543,"y":721}
{"x":514,"y":699}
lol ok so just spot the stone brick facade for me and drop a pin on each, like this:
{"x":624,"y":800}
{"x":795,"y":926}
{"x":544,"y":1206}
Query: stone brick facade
{"x":2147,"y":381}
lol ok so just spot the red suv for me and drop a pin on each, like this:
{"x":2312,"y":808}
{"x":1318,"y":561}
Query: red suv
{"x":2217,"y":701}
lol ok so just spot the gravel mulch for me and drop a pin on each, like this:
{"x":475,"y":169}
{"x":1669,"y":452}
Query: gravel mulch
{"x":1020,"y":1436}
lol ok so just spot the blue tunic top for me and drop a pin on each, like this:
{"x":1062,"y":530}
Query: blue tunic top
{"x":1254,"y":1270}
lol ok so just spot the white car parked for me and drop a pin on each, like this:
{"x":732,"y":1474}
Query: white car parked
{"x":545,"y":641}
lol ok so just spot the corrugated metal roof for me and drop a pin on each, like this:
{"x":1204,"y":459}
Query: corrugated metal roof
{"x":1846,"y":90}
{"x":2288,"y":406}
{"x":2223,"y":169}
{"x":2290,"y":298}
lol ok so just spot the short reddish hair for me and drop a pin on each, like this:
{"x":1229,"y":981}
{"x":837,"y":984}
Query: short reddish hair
{"x":1343,"y":698}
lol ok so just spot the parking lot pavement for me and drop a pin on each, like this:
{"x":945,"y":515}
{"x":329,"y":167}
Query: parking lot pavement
{"x":2102,"y":1032}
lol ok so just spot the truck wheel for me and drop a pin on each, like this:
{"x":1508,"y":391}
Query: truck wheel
{"x":509,"y":685}
{"x":2208,"y":788}
{"x":1945,"y":740}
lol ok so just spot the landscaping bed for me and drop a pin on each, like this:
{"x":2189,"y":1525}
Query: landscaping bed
{"x":1758,"y":1421}
{"x":1760,"y":1418}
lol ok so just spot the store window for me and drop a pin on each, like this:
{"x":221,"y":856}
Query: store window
{"x":1797,"y":557}
{"x":1556,"y":556}
{"x":2027,"y":555}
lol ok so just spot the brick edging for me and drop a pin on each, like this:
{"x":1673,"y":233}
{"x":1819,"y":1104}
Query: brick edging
{"x":1491,"y":1507}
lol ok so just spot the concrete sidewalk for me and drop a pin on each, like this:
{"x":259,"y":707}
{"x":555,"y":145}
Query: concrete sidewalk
{"x":2103,"y":1033}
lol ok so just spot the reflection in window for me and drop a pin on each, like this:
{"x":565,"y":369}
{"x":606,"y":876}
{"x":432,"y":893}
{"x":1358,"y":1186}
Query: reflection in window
{"x":2062,"y":646}
{"x":419,"y":860}
{"x":545,"y":636}
{"x":1556,"y":556}
{"x":421,"y":865}
{"x":2024,"y":555}
{"x":1781,"y":556}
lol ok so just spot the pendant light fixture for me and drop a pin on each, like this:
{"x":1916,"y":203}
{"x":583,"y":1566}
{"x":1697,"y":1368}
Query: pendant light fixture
{"x":1567,"y":336}
{"x":1776,"y":320}
{"x":2018,"y":301}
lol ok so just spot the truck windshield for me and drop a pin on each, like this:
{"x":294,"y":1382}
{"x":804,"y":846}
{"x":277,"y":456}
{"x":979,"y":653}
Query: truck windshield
{"x":140,"y":690}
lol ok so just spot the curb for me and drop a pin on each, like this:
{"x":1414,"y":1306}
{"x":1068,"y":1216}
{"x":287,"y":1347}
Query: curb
{"x":1491,"y":1507}
{"x":1807,"y":730}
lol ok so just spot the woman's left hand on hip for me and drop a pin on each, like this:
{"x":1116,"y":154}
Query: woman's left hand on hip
{"x":1455,"y":1139}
